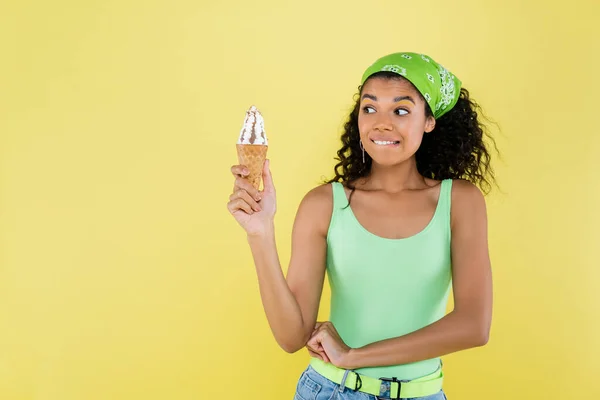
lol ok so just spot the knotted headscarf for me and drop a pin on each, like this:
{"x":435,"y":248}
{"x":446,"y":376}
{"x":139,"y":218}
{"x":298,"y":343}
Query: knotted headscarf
{"x":437,"y":85}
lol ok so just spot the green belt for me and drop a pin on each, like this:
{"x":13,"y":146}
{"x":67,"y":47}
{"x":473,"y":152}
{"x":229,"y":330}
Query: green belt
{"x":423,"y":386}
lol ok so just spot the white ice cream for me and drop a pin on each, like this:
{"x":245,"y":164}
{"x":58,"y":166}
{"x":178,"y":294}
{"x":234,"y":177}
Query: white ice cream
{"x":253,"y":131}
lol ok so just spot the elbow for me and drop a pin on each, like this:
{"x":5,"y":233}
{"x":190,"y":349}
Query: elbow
{"x":481,"y":336}
{"x":476,"y":329}
{"x":292,"y":346}
{"x":482,"y":340}
{"x":290,"y":349}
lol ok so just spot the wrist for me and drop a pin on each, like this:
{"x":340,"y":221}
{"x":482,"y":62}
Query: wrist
{"x":351,"y":359}
{"x":265,"y":234}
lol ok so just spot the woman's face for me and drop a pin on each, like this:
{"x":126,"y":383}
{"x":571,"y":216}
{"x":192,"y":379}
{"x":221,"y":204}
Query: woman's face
{"x":391,"y":120}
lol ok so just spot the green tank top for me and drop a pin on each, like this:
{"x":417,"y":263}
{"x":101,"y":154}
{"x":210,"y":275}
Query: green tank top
{"x":383,"y":288}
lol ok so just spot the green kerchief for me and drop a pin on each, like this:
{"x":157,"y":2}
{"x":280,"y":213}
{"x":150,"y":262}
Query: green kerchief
{"x":439,"y":87}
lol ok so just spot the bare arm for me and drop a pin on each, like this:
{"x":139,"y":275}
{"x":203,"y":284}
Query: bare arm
{"x":468,"y":324}
{"x":291,"y":305}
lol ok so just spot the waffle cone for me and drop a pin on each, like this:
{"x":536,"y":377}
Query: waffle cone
{"x":252,"y":156}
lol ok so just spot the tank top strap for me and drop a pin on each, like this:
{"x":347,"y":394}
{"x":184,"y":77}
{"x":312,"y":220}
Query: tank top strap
{"x":445,"y":201}
{"x":339,"y":196}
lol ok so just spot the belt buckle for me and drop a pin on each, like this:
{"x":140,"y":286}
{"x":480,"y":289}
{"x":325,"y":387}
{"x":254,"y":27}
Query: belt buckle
{"x":393,"y":379}
{"x":358,"y":383}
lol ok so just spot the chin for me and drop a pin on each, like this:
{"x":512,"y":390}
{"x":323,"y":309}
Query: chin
{"x":388,"y":161}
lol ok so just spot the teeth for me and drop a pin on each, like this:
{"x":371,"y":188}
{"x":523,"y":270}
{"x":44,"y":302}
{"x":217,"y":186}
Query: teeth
{"x":383,"y":143}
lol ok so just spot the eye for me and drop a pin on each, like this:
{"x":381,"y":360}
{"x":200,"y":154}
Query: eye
{"x":367,"y":108}
{"x":401,"y":111}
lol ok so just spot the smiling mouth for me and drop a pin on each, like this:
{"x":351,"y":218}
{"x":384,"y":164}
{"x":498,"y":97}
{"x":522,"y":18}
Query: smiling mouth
{"x":386,"y":142}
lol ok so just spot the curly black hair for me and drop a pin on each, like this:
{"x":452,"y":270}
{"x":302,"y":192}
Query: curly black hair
{"x":454,"y":149}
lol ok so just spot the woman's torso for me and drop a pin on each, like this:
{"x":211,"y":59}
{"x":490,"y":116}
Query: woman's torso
{"x":389,"y":267}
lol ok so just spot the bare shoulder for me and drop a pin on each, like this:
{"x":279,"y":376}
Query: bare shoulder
{"x":317,"y":206}
{"x":467,"y":201}
{"x":463,"y":188}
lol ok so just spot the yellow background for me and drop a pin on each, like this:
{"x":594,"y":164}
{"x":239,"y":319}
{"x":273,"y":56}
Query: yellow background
{"x":122,"y":274}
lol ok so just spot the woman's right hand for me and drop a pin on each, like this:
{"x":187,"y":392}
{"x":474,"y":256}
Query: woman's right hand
{"x":254,"y":210}
{"x":318,"y":352}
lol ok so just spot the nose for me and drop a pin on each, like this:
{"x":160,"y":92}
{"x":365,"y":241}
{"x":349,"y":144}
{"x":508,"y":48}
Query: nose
{"x":383,"y":123}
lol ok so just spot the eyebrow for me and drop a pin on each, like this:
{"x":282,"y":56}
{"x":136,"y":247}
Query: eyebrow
{"x":397,"y":99}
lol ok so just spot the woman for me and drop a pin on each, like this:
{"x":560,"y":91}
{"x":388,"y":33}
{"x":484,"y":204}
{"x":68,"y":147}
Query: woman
{"x":401,"y":221}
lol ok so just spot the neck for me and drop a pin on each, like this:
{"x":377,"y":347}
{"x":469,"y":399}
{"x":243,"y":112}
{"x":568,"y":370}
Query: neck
{"x":394,"y":178}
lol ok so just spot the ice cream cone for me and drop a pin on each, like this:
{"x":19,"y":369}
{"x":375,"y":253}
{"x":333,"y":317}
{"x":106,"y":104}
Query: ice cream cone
{"x":252,"y":145}
{"x":252,"y":156}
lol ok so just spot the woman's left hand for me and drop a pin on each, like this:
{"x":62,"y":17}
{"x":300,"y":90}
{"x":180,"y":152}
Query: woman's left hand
{"x":326,"y":338}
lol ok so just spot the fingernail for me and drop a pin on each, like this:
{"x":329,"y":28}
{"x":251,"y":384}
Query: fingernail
{"x":245,"y":171}
{"x":258,"y":197}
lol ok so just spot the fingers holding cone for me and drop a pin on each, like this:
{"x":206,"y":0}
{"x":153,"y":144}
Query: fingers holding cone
{"x":267,"y":178}
{"x":253,"y":158}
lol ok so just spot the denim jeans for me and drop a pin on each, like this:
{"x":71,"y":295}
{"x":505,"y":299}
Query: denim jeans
{"x":314,"y":386}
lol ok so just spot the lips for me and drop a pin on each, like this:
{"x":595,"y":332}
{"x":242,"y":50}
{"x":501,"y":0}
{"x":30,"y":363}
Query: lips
{"x":381,"y":138}
{"x":386,"y":143}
